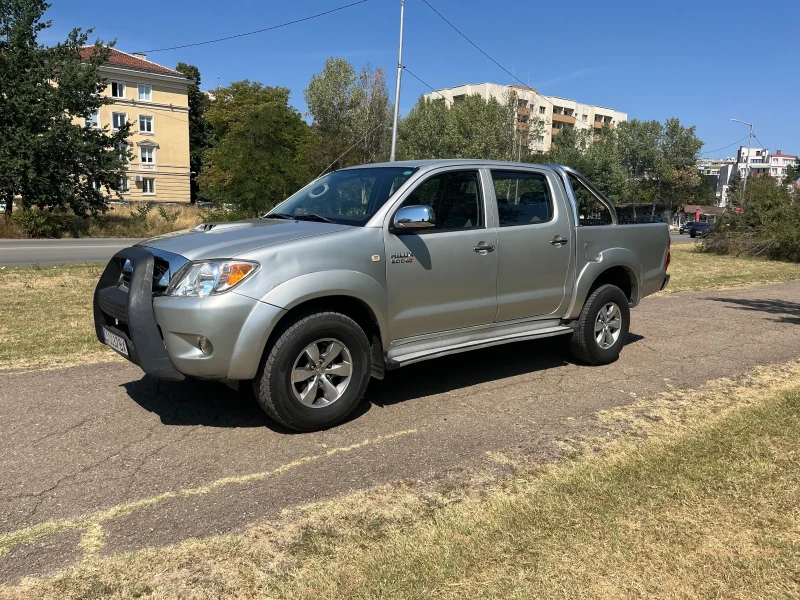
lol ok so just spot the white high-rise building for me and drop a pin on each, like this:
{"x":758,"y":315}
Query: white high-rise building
{"x":555,"y":112}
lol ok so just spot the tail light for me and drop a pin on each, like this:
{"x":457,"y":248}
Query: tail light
{"x":669,"y":254}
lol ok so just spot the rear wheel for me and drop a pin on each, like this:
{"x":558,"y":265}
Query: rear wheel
{"x":602,"y":327}
{"x":316,"y":372}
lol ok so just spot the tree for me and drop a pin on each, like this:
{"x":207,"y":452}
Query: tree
{"x":48,"y":156}
{"x":199,"y":130}
{"x":677,"y":177}
{"x":351,"y":114}
{"x":639,"y":153}
{"x":471,"y":128}
{"x":261,"y":148}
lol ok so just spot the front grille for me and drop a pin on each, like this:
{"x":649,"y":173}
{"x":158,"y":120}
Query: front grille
{"x":160,"y":268}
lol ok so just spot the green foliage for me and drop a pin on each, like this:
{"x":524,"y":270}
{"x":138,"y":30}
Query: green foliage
{"x":140,"y":212}
{"x":38,"y":224}
{"x":168,"y":216}
{"x":199,"y":128}
{"x":471,"y":128}
{"x":351,"y":115}
{"x":46,"y":159}
{"x":768,"y":224}
{"x":261,"y":148}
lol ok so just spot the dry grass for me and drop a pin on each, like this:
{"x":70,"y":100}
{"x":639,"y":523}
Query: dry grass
{"x":693,"y":269}
{"x":118,"y":221}
{"x":47,"y":316}
{"x":696,"y":499}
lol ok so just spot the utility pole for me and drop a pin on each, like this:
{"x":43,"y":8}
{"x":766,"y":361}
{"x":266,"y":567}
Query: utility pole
{"x":397,"y":85}
{"x":747,"y":164}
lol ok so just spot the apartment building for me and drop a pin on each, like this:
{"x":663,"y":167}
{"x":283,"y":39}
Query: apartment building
{"x":155,"y":100}
{"x":757,"y":161}
{"x":556,"y":113}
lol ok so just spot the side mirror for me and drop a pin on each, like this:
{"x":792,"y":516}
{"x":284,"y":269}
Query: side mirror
{"x":409,"y":218}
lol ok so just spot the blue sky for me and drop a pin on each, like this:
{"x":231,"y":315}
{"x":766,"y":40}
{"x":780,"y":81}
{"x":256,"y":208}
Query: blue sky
{"x":704,"y":62}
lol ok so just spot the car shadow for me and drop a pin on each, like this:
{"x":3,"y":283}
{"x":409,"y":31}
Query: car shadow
{"x":783,"y":311}
{"x":194,"y":402}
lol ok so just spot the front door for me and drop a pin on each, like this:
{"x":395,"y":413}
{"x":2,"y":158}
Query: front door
{"x":533,"y":245}
{"x":436,"y":279}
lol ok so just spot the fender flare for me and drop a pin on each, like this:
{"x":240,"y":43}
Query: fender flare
{"x":613,"y":257}
{"x":336,"y":282}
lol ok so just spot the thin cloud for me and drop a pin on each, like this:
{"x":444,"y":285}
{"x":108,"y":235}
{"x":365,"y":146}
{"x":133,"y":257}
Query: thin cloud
{"x":563,"y":78}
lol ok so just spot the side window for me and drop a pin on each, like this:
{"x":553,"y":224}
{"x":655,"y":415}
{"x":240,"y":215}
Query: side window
{"x":522,"y":198}
{"x":455,"y":198}
{"x":591,"y":209}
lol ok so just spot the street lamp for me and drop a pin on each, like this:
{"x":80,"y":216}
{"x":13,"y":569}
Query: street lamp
{"x":397,"y":86}
{"x":747,"y":164}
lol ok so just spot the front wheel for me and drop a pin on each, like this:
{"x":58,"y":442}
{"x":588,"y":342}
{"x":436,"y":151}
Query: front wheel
{"x":315,"y":373}
{"x":602,"y":327}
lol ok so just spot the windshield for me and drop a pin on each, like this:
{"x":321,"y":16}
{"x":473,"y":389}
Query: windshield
{"x":348,"y":197}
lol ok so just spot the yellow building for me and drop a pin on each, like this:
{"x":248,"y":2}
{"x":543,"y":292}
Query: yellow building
{"x":155,"y":100}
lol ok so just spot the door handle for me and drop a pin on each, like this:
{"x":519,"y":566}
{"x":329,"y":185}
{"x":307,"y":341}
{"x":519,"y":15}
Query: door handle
{"x":483,"y":248}
{"x":559,"y":241}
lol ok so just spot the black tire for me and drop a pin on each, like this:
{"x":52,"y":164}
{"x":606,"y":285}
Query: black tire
{"x":583,"y":344}
{"x":273,"y":387}
{"x":692,"y":235}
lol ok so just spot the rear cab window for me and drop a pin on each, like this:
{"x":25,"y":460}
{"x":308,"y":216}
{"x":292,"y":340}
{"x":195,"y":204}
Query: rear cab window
{"x":523,"y":198}
{"x":592,"y":209}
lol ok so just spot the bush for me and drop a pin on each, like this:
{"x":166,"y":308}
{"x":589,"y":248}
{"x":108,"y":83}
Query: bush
{"x":768,"y":224}
{"x":38,"y":224}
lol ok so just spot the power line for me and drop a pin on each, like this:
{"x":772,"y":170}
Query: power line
{"x":238,"y":35}
{"x":728,"y":146}
{"x":435,"y":91}
{"x":479,"y":49}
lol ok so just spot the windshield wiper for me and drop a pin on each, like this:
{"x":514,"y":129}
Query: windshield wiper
{"x":313,"y":217}
{"x":310,"y":217}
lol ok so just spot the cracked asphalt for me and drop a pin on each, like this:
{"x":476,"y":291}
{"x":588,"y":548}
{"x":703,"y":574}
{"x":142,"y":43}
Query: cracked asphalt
{"x":99,"y":459}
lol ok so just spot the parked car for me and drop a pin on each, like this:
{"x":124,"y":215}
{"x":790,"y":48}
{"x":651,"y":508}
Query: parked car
{"x":686,"y":227}
{"x":373,"y":268}
{"x":700,"y":229}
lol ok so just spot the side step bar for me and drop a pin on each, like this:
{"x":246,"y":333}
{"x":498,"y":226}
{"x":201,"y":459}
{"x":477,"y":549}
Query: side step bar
{"x":399,"y":358}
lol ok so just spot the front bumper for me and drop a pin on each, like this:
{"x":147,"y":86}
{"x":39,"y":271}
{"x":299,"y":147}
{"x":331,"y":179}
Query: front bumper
{"x":129,"y":313}
{"x":163,"y":332}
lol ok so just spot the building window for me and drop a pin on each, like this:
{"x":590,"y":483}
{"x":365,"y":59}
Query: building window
{"x":584,"y":118}
{"x":145,"y":124}
{"x":92,"y":119}
{"x":542,"y":110}
{"x":118,"y":120}
{"x":148,"y":186}
{"x":124,"y":187}
{"x":540,"y":139}
{"x":147,"y":155}
{"x":145,"y":93}
{"x":117,"y":89}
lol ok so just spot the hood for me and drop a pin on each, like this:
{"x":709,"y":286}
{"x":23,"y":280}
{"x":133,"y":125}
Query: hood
{"x":229,"y":239}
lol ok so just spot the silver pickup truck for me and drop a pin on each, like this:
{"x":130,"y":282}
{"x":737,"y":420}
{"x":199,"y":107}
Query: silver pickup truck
{"x":376,"y":267}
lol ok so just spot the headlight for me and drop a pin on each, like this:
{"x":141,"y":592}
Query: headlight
{"x":201,"y":279}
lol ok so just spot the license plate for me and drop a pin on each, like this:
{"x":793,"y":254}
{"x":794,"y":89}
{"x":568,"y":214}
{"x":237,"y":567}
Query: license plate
{"x":115,"y":341}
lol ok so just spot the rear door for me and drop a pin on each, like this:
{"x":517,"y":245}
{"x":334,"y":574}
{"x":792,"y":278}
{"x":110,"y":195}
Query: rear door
{"x":443,"y":278}
{"x":534,"y":241}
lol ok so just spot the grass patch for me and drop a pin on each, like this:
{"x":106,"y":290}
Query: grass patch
{"x":47,"y":316}
{"x":693,"y":269}
{"x":135,"y":220}
{"x":697,"y":499}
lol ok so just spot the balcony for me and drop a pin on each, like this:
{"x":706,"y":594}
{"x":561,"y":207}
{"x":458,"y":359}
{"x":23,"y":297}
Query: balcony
{"x":564,"y":119}
{"x":600,"y":124}
{"x":523,"y":111}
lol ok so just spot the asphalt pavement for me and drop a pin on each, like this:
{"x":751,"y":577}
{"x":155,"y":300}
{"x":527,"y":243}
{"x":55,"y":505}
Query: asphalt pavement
{"x":59,"y":252}
{"x":93,"y":250}
{"x":99,"y":457}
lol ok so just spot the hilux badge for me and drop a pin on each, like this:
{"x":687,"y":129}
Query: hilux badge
{"x":402,"y":257}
